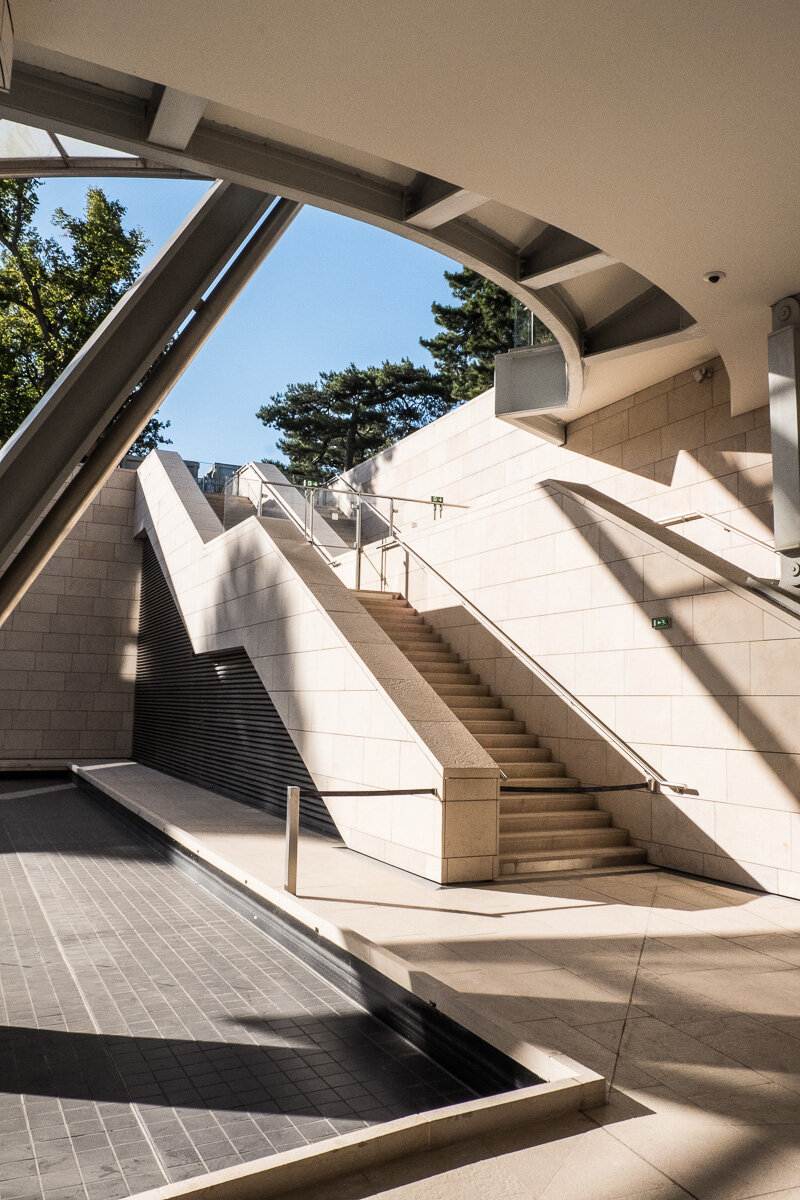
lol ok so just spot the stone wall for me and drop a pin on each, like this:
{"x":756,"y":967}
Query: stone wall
{"x":668,"y":450}
{"x":68,"y":651}
{"x":359,"y":714}
{"x":713,"y":701}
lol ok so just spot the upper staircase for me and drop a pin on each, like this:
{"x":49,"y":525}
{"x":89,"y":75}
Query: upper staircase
{"x":231,"y":510}
{"x":541,"y":829}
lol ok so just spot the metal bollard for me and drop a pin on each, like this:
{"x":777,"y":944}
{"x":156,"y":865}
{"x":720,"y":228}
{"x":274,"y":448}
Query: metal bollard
{"x":292,"y":832}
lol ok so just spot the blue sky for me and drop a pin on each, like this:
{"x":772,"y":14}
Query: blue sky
{"x":332,"y":291}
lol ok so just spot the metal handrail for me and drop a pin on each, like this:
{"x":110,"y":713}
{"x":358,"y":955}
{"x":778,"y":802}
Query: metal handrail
{"x":292,"y":827}
{"x":306,"y":525}
{"x":655,"y":780}
{"x":696,"y":515}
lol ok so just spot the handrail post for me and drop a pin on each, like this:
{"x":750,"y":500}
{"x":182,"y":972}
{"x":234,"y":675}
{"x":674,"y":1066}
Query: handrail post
{"x":358,"y":541}
{"x":292,"y":835}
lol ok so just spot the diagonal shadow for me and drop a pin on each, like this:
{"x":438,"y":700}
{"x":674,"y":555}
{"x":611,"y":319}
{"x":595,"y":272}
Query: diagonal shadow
{"x":344,"y":1071}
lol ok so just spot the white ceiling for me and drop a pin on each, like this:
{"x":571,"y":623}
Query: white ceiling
{"x":665,"y":133}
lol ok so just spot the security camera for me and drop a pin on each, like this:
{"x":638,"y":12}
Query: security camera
{"x":714,"y":276}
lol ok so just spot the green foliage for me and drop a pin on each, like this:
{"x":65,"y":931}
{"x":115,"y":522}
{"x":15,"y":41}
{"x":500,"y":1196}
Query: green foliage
{"x":55,"y":291}
{"x":485,"y":322}
{"x":347,"y":416}
{"x":151,"y":437}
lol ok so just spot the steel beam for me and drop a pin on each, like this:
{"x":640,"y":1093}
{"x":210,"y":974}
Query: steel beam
{"x":89,"y":168}
{"x":119,"y":120}
{"x":39,"y":458}
{"x":431,"y":202}
{"x":556,"y":256}
{"x":174,"y":117}
{"x":783,"y":349}
{"x":651,"y":319}
{"x":6,"y":45}
{"x":107,"y":452}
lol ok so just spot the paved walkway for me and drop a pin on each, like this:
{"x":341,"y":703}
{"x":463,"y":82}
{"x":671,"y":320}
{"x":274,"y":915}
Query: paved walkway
{"x":684,"y":993}
{"x":149,"y":1033}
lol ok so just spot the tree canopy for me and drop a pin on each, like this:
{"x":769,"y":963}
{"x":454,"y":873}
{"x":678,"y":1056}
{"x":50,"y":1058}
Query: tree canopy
{"x":55,"y":291}
{"x":347,"y":416}
{"x":485,"y":322}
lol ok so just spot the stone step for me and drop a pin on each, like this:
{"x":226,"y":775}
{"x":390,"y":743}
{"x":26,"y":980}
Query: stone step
{"x":475,"y":712}
{"x":478,"y":724}
{"x":440,"y":666}
{"x":385,"y":601}
{"x":519,"y":773}
{"x":520,"y":823}
{"x":460,"y":688}
{"x":434,"y":678}
{"x":544,"y":802}
{"x":512,"y":865}
{"x":401,"y":623}
{"x":566,"y":838}
{"x":434,"y":656}
{"x":548,"y":781}
{"x":507,"y":756}
{"x":496,"y":741}
{"x":409,"y":643}
{"x":465,"y":699}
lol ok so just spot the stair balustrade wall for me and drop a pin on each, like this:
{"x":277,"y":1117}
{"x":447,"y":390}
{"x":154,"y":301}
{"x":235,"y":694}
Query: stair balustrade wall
{"x":712,"y":700}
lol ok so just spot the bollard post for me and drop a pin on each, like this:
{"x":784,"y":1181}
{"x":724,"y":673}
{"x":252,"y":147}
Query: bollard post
{"x":358,"y":542}
{"x":292,"y":832}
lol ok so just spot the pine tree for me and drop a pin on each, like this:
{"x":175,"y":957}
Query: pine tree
{"x":347,"y":416}
{"x":485,"y":322}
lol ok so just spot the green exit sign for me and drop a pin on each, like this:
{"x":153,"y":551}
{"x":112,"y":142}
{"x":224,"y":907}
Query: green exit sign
{"x":661,"y":622}
{"x":437,"y":499}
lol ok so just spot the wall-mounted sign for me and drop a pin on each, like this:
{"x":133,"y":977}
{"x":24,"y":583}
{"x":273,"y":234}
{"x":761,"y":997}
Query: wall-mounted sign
{"x":661,"y":622}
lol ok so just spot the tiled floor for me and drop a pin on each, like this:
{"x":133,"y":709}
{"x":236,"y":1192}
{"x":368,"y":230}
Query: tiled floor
{"x":149,"y":1033}
{"x":684,"y":992}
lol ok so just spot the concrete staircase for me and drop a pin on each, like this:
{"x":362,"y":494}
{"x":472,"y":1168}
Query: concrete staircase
{"x":540,"y":829}
{"x":230,"y":509}
{"x":233,"y":509}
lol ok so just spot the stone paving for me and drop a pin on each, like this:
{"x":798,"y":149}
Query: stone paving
{"x":149,"y":1033}
{"x":683,"y":992}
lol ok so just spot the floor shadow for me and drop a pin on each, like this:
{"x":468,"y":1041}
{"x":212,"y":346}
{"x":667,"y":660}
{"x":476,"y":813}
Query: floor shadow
{"x":35,"y":817}
{"x":577,"y":886}
{"x":339,"y":1067}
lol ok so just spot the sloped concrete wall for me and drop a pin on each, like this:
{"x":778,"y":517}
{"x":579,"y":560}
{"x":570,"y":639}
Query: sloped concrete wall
{"x":359,"y":714}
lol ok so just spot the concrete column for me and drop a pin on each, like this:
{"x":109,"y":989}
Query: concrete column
{"x":784,"y":416}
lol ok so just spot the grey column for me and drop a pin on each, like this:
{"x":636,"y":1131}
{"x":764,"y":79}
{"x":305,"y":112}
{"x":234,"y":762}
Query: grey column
{"x":784,"y":419}
{"x":107,"y":452}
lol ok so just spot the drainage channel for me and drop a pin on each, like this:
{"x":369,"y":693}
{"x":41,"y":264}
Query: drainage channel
{"x":163,"y":1022}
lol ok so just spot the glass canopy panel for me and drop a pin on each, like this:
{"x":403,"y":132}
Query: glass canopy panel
{"x":78,"y":149}
{"x":23,"y":141}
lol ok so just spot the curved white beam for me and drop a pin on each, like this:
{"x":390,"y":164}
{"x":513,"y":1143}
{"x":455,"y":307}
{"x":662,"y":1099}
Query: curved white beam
{"x":431,"y":211}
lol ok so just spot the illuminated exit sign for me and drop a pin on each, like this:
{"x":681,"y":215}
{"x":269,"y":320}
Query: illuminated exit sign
{"x":661,"y":622}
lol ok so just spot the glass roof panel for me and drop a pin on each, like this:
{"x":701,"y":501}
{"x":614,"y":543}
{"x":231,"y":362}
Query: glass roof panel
{"x":23,"y":141}
{"x":78,"y":149}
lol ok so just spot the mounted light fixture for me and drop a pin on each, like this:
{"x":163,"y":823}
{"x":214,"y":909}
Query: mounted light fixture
{"x":714,"y":276}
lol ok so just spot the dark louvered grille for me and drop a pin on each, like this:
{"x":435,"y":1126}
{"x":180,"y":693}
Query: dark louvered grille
{"x":207,"y":718}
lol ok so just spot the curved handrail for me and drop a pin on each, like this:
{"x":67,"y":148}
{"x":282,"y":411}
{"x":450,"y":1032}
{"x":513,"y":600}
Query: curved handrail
{"x":655,"y":780}
{"x":695,"y":514}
